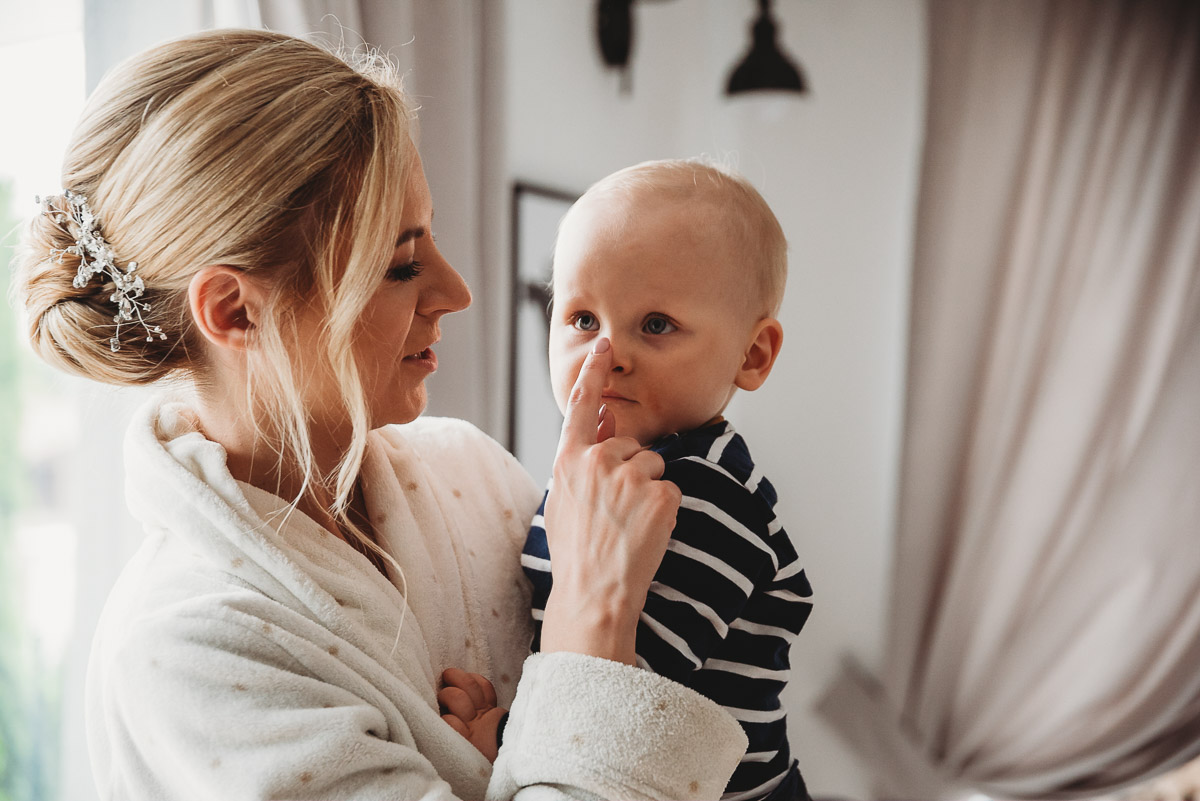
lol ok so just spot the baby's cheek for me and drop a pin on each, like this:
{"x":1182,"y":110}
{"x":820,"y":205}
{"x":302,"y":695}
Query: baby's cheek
{"x":563,"y":373}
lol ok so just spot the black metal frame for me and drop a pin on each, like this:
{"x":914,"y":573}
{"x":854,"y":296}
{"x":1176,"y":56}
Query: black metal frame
{"x":522,"y":291}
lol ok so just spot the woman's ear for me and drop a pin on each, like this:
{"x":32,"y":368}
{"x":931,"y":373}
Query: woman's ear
{"x":765,"y":341}
{"x":225,"y":305}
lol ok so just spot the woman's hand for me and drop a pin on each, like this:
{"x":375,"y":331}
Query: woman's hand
{"x":608,"y":520}
{"x":468,"y":704}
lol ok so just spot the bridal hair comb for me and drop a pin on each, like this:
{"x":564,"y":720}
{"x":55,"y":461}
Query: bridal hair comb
{"x":96,"y":258}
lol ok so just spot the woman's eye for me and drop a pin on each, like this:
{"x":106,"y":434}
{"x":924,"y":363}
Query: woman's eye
{"x":585,"y":322}
{"x":404,"y":272}
{"x":658,"y":325}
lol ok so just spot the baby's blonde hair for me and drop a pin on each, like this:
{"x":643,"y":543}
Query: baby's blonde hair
{"x":754,"y":233}
{"x":244,"y":148}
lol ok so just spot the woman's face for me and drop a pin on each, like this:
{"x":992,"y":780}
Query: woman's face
{"x":400,"y":324}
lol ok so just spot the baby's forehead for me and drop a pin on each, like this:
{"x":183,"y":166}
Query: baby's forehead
{"x":653,"y":262}
{"x":666,"y":193}
{"x":624,"y":211}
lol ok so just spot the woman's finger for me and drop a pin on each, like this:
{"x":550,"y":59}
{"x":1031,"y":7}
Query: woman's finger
{"x":607,"y":427}
{"x":583,"y":404}
{"x":456,"y":702}
{"x":618,"y":449}
{"x":649,"y":463}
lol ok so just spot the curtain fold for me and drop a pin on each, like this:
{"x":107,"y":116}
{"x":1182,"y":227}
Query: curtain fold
{"x":330,"y":21}
{"x":1045,"y":626}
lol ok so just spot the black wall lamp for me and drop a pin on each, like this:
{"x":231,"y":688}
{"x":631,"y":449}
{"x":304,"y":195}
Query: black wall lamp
{"x":614,"y":30}
{"x":764,"y":68}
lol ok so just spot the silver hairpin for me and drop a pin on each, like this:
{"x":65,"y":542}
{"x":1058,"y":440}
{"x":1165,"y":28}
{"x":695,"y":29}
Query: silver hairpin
{"x":96,"y":258}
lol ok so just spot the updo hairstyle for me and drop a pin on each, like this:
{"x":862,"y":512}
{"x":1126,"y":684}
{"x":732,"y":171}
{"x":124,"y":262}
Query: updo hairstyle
{"x":244,"y":148}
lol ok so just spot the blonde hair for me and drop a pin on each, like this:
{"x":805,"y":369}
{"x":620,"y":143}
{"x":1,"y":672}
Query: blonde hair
{"x":243,"y":148}
{"x":748,"y":222}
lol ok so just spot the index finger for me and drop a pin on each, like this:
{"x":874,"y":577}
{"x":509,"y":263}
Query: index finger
{"x":583,"y":405}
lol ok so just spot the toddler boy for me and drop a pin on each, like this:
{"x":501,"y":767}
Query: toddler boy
{"x":682,"y":265}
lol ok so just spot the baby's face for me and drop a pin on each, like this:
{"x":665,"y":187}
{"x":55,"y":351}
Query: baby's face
{"x":668,"y":292}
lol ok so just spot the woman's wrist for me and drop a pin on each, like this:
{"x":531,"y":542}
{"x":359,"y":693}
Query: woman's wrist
{"x":588,"y":620}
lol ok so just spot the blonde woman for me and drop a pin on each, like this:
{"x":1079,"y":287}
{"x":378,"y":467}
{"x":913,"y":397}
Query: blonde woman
{"x":328,"y":603}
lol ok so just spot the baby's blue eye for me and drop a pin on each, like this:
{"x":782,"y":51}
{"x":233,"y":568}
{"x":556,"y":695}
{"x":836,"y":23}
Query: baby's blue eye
{"x":658,"y":325}
{"x":585,"y":322}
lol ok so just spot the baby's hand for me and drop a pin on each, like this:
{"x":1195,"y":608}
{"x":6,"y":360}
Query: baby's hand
{"x":468,"y":704}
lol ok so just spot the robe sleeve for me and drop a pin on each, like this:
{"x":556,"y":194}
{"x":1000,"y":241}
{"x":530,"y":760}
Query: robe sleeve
{"x":584,"y":727}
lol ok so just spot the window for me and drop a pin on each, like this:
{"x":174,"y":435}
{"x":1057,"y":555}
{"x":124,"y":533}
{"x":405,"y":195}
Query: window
{"x":42,"y":44}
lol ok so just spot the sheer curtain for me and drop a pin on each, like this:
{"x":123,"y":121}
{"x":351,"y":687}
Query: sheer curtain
{"x":1045,"y":621}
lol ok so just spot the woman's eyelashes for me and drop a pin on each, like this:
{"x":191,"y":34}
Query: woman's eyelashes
{"x":404,"y":272}
{"x":410,"y":269}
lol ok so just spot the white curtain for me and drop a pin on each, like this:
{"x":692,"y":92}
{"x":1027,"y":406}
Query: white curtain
{"x":1044,"y":636}
{"x":116,"y":29}
{"x":339,"y":19}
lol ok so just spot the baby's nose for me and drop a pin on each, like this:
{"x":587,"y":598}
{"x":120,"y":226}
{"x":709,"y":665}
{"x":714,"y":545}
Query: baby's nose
{"x":620,"y":359}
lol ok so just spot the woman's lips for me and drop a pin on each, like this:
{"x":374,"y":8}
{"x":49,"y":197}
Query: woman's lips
{"x":426,"y":359}
{"x":612,"y":396}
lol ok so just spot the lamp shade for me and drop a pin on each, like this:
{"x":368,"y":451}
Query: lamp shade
{"x":765,"y":67}
{"x":614,"y":30}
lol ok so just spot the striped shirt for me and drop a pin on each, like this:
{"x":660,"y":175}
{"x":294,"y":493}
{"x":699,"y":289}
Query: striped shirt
{"x":726,"y":603}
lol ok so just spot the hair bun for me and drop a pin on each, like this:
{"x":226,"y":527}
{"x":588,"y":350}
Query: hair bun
{"x":71,"y":323}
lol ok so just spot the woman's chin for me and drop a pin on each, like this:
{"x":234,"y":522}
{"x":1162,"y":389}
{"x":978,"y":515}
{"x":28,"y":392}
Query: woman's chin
{"x":412,"y":410}
{"x":400,"y":412}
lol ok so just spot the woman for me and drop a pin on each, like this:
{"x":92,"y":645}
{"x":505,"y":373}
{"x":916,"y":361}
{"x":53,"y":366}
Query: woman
{"x":246,"y":214}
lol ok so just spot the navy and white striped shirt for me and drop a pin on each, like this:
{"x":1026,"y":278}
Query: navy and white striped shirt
{"x":726,"y":603}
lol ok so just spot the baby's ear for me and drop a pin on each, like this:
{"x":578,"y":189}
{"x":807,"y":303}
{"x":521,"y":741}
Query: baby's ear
{"x":765,"y":341}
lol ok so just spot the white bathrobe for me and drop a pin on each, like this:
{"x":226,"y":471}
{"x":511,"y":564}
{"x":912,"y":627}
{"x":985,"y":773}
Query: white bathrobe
{"x":246,"y":653}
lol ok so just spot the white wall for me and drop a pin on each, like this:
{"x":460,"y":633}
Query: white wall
{"x":839,"y":168}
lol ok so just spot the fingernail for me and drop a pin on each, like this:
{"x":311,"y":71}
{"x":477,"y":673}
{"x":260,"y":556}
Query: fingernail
{"x":601,"y":345}
{"x":603,"y":406}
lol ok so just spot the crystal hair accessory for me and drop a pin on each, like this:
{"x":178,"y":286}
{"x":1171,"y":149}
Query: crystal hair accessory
{"x":96,"y":258}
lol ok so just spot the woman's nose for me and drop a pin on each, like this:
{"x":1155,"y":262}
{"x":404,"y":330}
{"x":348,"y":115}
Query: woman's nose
{"x":448,"y":293}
